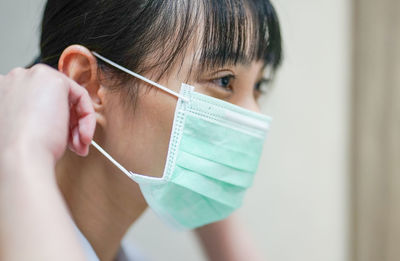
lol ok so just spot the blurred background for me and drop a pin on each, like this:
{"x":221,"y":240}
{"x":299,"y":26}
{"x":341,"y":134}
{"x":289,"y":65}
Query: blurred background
{"x":328,"y":187}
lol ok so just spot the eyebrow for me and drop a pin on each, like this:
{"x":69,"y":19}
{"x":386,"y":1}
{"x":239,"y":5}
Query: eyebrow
{"x":220,"y":58}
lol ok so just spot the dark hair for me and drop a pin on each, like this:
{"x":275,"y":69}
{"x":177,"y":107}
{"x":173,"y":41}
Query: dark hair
{"x":145,"y":34}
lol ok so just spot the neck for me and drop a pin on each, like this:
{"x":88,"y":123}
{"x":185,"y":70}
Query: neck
{"x":102,"y":200}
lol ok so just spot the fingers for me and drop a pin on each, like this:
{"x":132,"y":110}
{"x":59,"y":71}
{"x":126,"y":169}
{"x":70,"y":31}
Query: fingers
{"x":75,"y":143}
{"x":82,"y":120}
{"x":82,"y":133}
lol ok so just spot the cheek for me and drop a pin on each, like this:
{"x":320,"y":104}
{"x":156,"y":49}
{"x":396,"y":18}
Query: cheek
{"x":140,"y":137}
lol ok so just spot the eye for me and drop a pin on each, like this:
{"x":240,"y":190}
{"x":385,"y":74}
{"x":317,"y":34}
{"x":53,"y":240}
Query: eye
{"x":224,"y":82}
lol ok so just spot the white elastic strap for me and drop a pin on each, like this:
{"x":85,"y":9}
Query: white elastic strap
{"x":129,"y":174}
{"x":139,"y":76}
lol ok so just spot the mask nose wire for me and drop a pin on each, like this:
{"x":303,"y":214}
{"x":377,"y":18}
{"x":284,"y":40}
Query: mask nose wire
{"x":139,"y":76}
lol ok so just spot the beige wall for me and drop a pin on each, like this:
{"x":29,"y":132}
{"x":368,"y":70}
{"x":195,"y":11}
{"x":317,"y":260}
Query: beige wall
{"x":376,"y":128}
{"x":304,"y":180}
{"x":298,"y":207}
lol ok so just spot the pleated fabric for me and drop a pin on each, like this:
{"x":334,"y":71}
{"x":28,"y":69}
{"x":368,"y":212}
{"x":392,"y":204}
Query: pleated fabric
{"x":213,"y":155}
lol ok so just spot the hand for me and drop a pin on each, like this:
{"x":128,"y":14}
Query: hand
{"x":42,"y":110}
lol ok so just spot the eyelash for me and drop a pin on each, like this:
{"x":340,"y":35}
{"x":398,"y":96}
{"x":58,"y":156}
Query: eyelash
{"x":224,"y":86}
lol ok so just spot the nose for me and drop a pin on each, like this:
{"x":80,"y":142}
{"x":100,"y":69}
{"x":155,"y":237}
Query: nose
{"x":248,"y":102}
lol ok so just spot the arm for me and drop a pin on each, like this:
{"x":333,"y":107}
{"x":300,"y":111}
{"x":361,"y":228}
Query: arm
{"x":34,"y":222}
{"x":38,"y":107}
{"x":227,"y":240}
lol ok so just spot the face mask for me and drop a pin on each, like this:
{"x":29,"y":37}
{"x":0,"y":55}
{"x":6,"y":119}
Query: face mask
{"x":213,"y":153}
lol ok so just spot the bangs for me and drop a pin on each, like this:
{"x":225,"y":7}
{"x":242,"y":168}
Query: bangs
{"x":150,"y":36}
{"x":153,"y":37}
{"x":222,"y":32}
{"x":238,"y":31}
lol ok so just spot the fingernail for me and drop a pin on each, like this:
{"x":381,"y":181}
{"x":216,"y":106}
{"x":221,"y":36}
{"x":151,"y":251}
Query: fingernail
{"x":75,"y":138}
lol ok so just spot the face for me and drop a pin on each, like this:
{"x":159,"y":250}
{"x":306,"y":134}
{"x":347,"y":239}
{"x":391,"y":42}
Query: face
{"x":138,"y":136}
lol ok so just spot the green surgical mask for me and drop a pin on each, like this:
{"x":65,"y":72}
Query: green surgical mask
{"x":213,"y":154}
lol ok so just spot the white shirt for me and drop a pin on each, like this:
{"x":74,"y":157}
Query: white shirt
{"x":127,"y":252}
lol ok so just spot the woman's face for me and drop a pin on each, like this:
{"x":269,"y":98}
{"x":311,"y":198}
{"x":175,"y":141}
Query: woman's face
{"x":138,"y":136}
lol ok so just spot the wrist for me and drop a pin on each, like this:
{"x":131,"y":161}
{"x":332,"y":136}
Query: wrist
{"x":19,"y":160}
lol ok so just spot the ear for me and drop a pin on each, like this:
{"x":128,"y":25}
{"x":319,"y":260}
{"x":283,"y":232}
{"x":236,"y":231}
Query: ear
{"x":79,"y":64}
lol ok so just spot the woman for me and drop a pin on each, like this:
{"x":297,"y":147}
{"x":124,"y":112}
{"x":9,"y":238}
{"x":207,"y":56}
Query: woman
{"x":222,"y":48}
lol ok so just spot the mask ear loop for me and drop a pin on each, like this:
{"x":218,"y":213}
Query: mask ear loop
{"x":100,"y":149}
{"x":140,"y":77}
{"x":108,"y":156}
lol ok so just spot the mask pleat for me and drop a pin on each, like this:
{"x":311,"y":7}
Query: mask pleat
{"x":235,"y":159}
{"x":215,"y":170}
{"x":216,"y":190}
{"x":214,"y":151}
{"x":186,"y":206}
{"x":222,"y":136}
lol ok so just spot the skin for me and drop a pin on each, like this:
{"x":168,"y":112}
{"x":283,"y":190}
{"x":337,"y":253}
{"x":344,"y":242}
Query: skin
{"x":101,"y":200}
{"x":34,"y":223}
{"x":110,"y":202}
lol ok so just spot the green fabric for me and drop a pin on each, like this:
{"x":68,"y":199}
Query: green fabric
{"x":214,"y":152}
